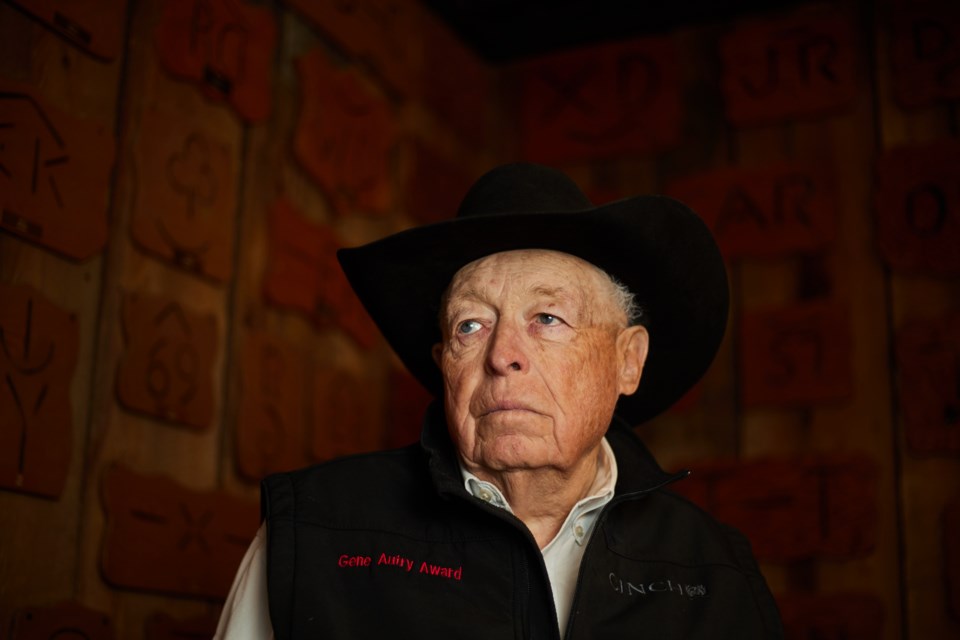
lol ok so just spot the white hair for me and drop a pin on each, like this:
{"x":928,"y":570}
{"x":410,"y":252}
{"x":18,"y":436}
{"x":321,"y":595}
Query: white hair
{"x":625,"y":300}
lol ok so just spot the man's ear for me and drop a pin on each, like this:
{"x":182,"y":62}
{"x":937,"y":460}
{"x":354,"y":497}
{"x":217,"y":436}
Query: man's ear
{"x":632,"y":346}
{"x":437,"y":352}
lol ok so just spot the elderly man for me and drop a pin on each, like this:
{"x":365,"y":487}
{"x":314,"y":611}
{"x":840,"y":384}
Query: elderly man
{"x":547,"y":328}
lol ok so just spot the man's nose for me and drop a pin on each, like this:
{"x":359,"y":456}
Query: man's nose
{"x":506,"y":351}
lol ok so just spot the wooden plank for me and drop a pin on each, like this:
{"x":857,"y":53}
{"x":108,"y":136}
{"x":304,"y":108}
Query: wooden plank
{"x":39,"y":537}
{"x":272,"y":173}
{"x":152,"y":446}
{"x":926,"y":483}
{"x":840,"y":144}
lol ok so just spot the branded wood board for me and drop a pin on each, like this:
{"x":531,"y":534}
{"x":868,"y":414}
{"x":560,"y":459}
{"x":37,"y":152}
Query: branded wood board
{"x":166,"y":538}
{"x":63,"y":620}
{"x":186,"y":196}
{"x":797,"y":355}
{"x":345,"y":136}
{"x":38,"y":357}
{"x":763,"y":213}
{"x":303,"y":274}
{"x":602,"y":101}
{"x":851,"y":616}
{"x":225,"y":47}
{"x":271,"y":422}
{"x":925,"y":52}
{"x":343,"y":421}
{"x":384,"y":34}
{"x":793,"y":508}
{"x":928,"y":363}
{"x":795,"y":67}
{"x":54,"y":174}
{"x":918,"y":208}
{"x":96,"y":26}
{"x":167,"y":367}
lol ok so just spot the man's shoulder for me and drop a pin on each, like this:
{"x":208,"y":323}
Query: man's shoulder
{"x":350,"y":491}
{"x":374,"y":471}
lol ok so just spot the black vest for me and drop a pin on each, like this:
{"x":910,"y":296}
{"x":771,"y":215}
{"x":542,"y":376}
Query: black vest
{"x":391,"y":545}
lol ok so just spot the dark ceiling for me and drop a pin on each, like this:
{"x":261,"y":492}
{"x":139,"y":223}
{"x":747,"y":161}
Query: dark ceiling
{"x":506,"y":30}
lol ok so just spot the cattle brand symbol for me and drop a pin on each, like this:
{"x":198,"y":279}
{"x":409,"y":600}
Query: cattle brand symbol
{"x":38,"y":351}
{"x":195,"y":538}
{"x":226,"y":46}
{"x":167,"y":368}
{"x":601,"y":101}
{"x":784,"y":69}
{"x":185,"y":201}
{"x":54,"y":173}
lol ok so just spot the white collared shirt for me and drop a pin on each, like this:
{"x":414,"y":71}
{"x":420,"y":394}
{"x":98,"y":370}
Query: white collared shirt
{"x":563,"y":554}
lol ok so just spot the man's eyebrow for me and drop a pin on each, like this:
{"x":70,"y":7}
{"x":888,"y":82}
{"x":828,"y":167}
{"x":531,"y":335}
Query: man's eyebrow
{"x":560,"y":293}
{"x":451,"y":305}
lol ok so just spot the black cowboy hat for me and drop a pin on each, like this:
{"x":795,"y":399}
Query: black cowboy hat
{"x":654,"y":245}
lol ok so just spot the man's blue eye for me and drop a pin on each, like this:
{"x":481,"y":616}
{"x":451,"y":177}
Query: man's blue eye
{"x":546,"y":318}
{"x":468,"y":326}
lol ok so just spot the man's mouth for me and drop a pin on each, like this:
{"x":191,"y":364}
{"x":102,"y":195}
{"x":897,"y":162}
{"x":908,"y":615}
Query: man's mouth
{"x":501,"y":407}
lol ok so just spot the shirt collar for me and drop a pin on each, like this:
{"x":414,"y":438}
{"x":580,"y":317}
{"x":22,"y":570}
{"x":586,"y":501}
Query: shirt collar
{"x":600,"y":492}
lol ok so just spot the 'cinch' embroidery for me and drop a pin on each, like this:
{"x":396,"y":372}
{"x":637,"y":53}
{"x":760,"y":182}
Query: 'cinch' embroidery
{"x":626,"y":588}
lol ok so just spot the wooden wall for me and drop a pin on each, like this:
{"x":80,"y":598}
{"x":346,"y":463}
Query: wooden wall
{"x":176,"y":174}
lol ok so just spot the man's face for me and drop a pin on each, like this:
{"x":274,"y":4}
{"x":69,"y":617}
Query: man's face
{"x":534,"y":355}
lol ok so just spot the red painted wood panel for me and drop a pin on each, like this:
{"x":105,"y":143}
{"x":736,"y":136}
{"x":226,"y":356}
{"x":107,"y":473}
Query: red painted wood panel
{"x":163,"y":537}
{"x":435,"y":187}
{"x":185,"y":195}
{"x":925,"y":52}
{"x":780,"y":70}
{"x":344,"y":136}
{"x":602,"y":101}
{"x":407,"y":401}
{"x":343,"y":420}
{"x":271,"y":422}
{"x":37,"y":361}
{"x":303,"y":274}
{"x":225,"y":47}
{"x":384,"y":34}
{"x":96,"y":26}
{"x":846,"y":616}
{"x":792,"y":508}
{"x":167,"y":367}
{"x":918,"y":208}
{"x":64,"y":620}
{"x":951,"y":555}
{"x":164,"y":627}
{"x":770,"y":212}
{"x":798,"y":355}
{"x":928,"y":359}
{"x":54,"y":174}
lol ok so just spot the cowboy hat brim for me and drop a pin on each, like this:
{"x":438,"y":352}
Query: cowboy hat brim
{"x":656,"y":246}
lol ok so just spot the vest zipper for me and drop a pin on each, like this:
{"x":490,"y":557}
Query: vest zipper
{"x":680,"y":475}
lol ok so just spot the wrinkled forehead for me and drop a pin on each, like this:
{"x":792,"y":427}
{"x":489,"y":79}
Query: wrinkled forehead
{"x":539,"y":270}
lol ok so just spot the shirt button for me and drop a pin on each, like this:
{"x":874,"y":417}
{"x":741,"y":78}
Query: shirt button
{"x":578,"y":531}
{"x":485,"y":495}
